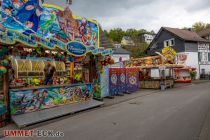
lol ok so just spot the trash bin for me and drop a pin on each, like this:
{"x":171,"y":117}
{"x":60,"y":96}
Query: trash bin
{"x":162,"y":85}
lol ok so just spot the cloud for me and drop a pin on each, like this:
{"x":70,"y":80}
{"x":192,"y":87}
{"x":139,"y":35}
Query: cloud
{"x":147,"y":14}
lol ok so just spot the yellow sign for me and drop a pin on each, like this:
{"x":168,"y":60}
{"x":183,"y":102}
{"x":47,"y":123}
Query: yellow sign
{"x":169,"y":53}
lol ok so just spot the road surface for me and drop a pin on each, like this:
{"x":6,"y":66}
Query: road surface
{"x":175,"y":114}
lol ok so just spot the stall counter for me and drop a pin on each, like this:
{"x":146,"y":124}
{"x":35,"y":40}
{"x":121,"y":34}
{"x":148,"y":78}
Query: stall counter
{"x":156,"y":83}
{"x":37,"y":98}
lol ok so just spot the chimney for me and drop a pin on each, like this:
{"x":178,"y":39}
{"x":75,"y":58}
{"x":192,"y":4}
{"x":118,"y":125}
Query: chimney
{"x":190,"y":29}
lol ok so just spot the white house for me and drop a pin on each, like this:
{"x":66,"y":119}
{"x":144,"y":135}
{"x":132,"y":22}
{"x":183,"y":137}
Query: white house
{"x":127,"y":41}
{"x":192,"y":50}
{"x":120,"y":55}
{"x":147,"y":38}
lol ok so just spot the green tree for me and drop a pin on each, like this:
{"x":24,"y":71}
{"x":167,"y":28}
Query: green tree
{"x":138,"y":50}
{"x":199,"y":26}
{"x":207,"y":26}
{"x":116,"y":35}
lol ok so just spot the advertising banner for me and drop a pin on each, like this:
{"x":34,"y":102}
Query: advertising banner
{"x":132,"y":79}
{"x":113,"y":81}
{"x":122,"y":80}
{"x":105,"y":82}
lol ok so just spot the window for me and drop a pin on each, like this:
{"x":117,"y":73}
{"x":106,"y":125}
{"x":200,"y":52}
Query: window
{"x":209,"y":57}
{"x":172,"y":42}
{"x":166,"y":43}
{"x":205,"y":56}
{"x":199,"y":56}
{"x":169,"y":43}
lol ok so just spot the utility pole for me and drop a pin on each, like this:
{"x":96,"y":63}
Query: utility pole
{"x":68,"y":2}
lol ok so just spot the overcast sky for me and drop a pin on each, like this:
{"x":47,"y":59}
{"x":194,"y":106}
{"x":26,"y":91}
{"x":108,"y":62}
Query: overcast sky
{"x":141,"y":14}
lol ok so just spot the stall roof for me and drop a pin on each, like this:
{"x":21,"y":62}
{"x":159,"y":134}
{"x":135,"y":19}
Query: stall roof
{"x":159,"y":66}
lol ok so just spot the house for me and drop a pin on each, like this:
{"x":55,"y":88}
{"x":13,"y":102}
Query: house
{"x":192,"y":50}
{"x":117,"y":45}
{"x":127,"y":41}
{"x":120,"y":55}
{"x":146,"y":37}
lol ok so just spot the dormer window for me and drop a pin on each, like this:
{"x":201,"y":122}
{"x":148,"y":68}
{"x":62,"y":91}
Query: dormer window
{"x":169,"y":43}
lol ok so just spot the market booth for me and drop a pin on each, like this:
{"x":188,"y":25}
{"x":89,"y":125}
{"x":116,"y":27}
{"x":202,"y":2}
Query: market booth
{"x":185,"y":75}
{"x":156,"y":72}
{"x":32,"y":36}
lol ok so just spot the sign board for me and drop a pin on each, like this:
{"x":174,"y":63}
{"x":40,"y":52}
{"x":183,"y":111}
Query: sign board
{"x":76,"y":49}
{"x":169,"y":53}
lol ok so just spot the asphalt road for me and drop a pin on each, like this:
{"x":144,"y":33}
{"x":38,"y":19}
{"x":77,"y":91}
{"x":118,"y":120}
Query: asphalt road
{"x":176,"y":114}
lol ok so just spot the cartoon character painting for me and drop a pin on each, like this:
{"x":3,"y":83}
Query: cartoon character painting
{"x":23,"y":16}
{"x":33,"y":100}
{"x":30,"y":17}
{"x":17,"y":3}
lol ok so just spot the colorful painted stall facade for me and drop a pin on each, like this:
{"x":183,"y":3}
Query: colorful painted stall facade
{"x":31,"y":30}
{"x":104,"y":82}
{"x":32,"y":23}
{"x":123,"y":80}
{"x":132,"y":79}
{"x":24,"y":101}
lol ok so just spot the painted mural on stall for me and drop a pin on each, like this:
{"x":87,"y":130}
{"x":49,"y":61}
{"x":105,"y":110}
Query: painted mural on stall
{"x":3,"y":108}
{"x":37,"y":99}
{"x":132,"y":79}
{"x":104,"y":82}
{"x":43,"y":23}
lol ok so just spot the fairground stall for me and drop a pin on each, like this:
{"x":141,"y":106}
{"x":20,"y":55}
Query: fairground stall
{"x":4,"y":101}
{"x":37,"y":37}
{"x":185,"y":75}
{"x":156,"y":72}
{"x":116,"y":80}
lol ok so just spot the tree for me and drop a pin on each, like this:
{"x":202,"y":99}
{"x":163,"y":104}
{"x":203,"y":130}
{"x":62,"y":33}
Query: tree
{"x":116,"y":35}
{"x":207,"y":26}
{"x":199,"y":26}
{"x":138,"y":49}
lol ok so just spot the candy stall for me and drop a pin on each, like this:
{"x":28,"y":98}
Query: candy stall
{"x":55,"y":60}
